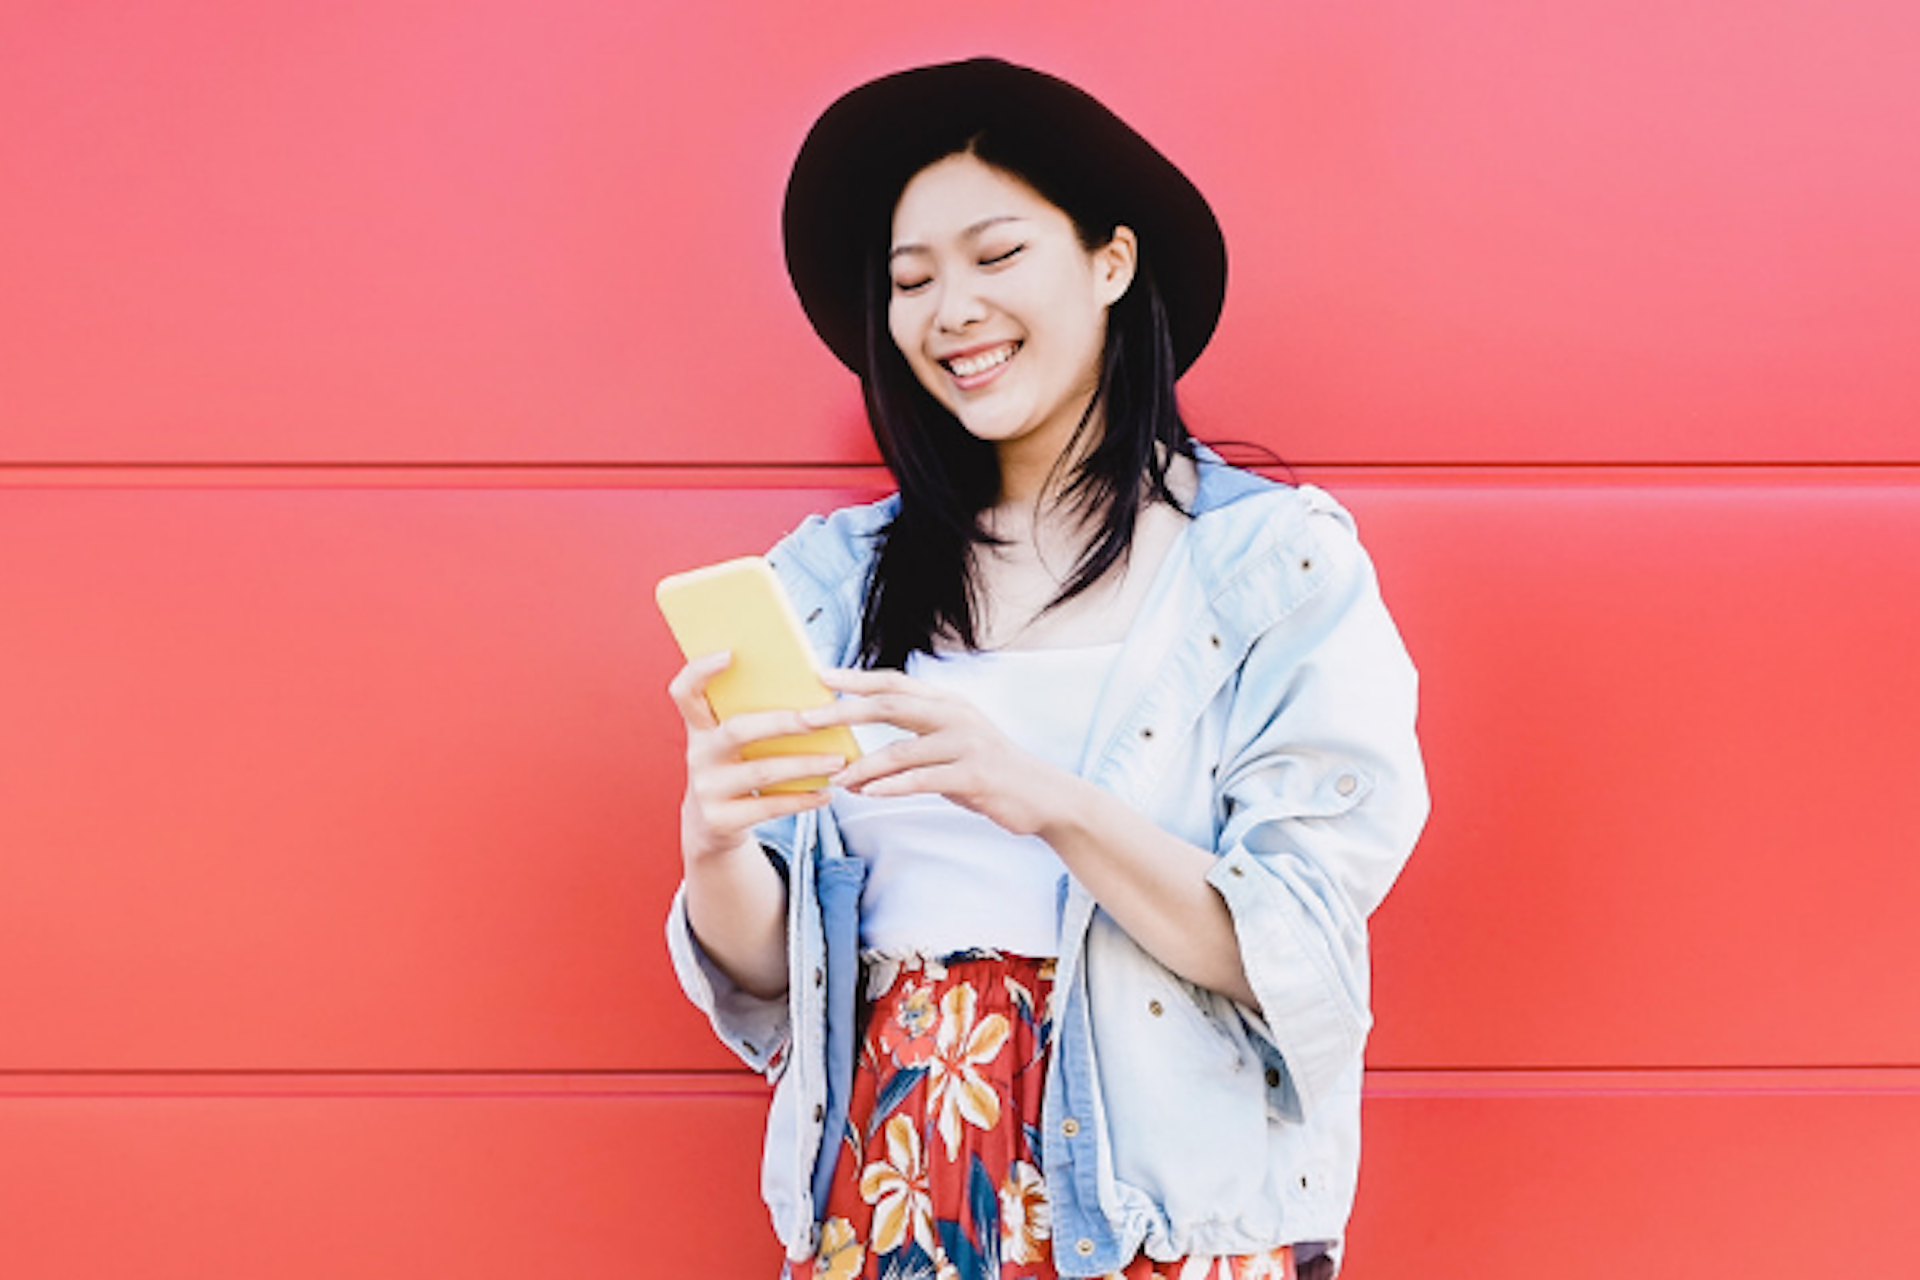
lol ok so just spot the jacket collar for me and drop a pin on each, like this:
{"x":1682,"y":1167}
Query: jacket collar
{"x":1222,"y":485}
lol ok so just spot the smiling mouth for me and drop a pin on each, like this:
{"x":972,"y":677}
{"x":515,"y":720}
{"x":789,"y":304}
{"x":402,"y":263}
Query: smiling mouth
{"x":976,"y":363}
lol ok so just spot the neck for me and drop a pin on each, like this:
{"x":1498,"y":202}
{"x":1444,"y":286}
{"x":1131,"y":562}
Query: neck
{"x":1035,"y":469}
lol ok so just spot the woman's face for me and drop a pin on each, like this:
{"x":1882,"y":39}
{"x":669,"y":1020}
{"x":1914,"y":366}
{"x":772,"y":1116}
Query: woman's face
{"x":998,"y":308}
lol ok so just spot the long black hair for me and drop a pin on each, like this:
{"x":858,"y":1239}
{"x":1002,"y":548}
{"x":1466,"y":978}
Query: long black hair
{"x":923,"y":584}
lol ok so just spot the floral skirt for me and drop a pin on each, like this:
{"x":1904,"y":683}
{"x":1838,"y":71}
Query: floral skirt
{"x":939,"y":1175}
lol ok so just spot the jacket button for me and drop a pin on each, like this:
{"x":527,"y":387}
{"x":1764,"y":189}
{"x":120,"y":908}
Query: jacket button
{"x":1147,"y":733}
{"x":819,"y":1113}
{"x":1083,"y":1247}
{"x":1273,"y":1077}
{"x":819,"y":977}
{"x":1347,"y":784}
{"x":1214,"y":641}
{"x":1155,"y":1008}
{"x":1235,"y":871}
{"x":1070,"y":1128}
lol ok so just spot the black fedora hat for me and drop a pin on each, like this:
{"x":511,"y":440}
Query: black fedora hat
{"x":863,"y":149}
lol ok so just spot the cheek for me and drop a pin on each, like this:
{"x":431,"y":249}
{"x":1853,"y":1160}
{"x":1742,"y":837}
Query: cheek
{"x":906,"y":326}
{"x":903,"y":329}
{"x":1081,"y":331}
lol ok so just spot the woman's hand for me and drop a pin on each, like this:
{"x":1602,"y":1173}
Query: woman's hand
{"x":955,"y":752}
{"x":1149,"y":880}
{"x":727,"y":794}
{"x":736,"y":902}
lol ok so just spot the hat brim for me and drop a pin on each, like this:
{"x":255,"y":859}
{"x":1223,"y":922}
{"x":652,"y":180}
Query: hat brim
{"x":863,"y":149}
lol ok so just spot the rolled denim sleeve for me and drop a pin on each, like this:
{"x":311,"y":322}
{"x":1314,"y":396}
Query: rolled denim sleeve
{"x":758,"y":1029}
{"x":1323,"y":795}
{"x":755,"y":1028}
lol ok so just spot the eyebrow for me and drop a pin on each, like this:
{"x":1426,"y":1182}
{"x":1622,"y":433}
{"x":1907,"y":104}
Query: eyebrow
{"x":968,"y":233}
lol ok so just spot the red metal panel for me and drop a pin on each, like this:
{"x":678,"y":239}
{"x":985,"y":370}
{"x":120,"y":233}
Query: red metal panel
{"x":1672,"y":730}
{"x":307,"y":779}
{"x":652,"y":1183}
{"x":379,"y":779}
{"x":1661,"y":229}
{"x":1506,"y":1177}
{"x":1518,"y":1181}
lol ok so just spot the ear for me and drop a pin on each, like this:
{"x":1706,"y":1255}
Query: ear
{"x":1113,"y":265}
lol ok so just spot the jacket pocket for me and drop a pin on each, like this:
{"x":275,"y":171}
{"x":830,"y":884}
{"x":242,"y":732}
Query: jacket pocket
{"x":1211,"y":1021}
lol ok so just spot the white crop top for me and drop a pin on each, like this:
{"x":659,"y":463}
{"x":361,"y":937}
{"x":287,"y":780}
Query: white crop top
{"x":941,"y":878}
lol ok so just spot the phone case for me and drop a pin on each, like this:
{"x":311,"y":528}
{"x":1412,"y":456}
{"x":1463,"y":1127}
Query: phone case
{"x":740,"y":606}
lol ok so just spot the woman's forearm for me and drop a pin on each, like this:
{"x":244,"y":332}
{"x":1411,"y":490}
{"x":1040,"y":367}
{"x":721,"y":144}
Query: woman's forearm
{"x":1151,"y":882}
{"x":737,"y":907}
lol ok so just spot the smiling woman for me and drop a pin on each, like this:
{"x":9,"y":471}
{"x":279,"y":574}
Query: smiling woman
{"x":1066,"y":974}
{"x":1001,"y":312}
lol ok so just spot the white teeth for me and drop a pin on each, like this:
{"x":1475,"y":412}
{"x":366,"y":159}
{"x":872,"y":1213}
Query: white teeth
{"x":968,"y":366}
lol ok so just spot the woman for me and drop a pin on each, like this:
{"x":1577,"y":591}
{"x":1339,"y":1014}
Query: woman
{"x":1067,"y":974}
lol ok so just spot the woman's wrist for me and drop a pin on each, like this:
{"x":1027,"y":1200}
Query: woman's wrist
{"x":702,"y":853}
{"x":1068,"y":807}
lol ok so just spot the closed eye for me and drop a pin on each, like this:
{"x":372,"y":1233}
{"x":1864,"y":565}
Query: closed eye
{"x":999,"y":258}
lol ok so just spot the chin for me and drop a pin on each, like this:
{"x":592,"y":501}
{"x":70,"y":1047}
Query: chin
{"x":992,"y":432}
{"x":993,"y":422}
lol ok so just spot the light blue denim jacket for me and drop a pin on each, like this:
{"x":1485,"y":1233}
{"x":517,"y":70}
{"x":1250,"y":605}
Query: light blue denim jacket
{"x":1262,"y":707}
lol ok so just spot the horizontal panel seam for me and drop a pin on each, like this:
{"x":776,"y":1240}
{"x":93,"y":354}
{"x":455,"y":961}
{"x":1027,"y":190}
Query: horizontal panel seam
{"x":774,"y":474}
{"x":1643,"y":1082}
{"x":379,"y":1084}
{"x":855,"y":464}
{"x":1382,"y":1084}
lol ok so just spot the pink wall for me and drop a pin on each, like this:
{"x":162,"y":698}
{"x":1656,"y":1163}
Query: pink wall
{"x":361,"y":366}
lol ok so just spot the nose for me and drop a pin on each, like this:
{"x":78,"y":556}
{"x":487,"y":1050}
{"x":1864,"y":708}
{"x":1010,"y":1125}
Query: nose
{"x":960,"y":304}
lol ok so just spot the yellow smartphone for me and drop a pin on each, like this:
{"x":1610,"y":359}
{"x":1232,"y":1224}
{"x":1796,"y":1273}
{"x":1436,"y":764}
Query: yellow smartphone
{"x":740,"y":606}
